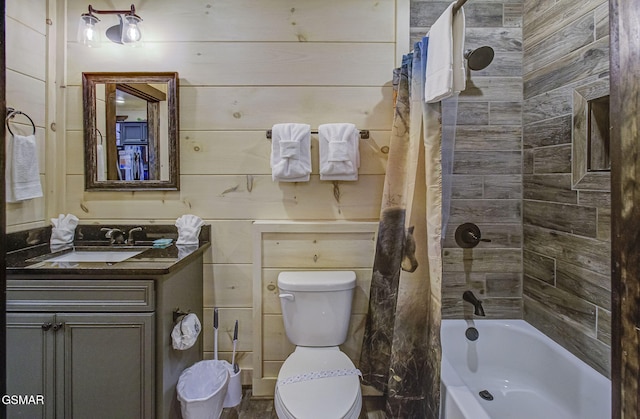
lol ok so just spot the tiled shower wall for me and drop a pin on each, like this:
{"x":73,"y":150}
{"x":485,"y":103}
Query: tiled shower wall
{"x":567,"y":282}
{"x":487,"y":181}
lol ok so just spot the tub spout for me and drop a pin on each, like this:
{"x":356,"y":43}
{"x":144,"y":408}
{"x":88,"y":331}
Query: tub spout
{"x":477,"y":304}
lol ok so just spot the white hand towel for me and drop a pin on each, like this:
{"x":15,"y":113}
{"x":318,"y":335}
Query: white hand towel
{"x":23,"y":170}
{"x":446,"y":74}
{"x":188,"y":229}
{"x":290,"y":152}
{"x":63,"y":230}
{"x":339,"y":151}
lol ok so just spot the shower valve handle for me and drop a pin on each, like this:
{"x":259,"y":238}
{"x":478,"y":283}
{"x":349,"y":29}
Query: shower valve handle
{"x":468,"y":236}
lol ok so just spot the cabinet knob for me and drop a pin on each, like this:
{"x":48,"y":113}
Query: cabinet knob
{"x":46,"y":326}
{"x":57,"y":326}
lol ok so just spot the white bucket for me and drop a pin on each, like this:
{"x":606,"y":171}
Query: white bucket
{"x":202,"y":389}
{"x":234,"y":389}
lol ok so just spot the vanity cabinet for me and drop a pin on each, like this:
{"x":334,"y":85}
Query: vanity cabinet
{"x":99,"y":347}
{"x":82,"y":345}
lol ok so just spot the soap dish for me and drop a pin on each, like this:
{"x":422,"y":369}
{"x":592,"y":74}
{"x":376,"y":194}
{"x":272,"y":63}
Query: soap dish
{"x":162,"y":243}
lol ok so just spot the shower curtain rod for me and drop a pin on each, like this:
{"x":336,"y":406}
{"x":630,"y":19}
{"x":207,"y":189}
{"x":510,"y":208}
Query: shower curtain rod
{"x":458,"y":5}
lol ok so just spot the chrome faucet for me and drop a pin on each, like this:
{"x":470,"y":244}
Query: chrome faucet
{"x":130,"y":239}
{"x":477,"y":304}
{"x":115,"y":235}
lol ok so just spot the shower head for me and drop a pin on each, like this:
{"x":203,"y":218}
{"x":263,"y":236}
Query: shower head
{"x":479,"y":58}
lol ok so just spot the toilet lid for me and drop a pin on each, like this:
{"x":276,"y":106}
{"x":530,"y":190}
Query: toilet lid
{"x":329,"y":397}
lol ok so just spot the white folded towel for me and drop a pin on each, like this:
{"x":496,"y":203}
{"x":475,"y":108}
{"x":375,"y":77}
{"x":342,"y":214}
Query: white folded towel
{"x":102,"y":175}
{"x":446,"y":74}
{"x":290,"y":152}
{"x":188,"y":229}
{"x":63,"y":230}
{"x":23,"y":170}
{"x":339,"y":151}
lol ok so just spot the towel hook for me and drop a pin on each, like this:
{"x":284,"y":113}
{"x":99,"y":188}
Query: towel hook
{"x":11,"y":113}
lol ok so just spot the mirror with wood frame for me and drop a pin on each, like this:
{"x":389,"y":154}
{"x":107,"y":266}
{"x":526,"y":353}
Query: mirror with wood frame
{"x":131,"y":131}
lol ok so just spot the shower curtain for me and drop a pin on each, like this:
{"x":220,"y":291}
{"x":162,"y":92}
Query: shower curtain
{"x":401,"y":349}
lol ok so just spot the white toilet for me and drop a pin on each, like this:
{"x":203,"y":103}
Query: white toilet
{"x":317,"y":380}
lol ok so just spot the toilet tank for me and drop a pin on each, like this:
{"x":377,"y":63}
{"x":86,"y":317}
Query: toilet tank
{"x":316,"y":306}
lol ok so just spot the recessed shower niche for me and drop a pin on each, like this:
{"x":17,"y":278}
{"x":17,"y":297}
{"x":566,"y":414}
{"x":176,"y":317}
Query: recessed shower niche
{"x":590,"y":136}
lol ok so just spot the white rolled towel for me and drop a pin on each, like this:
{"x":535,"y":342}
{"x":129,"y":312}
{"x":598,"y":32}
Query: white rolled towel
{"x":188,"y":229}
{"x":63,"y":230}
{"x":290,"y":152}
{"x":339,"y":151}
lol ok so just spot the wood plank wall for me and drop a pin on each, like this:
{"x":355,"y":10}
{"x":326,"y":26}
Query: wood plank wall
{"x":567,"y":280}
{"x":244,"y":66}
{"x":487,"y":181}
{"x":26,"y":89}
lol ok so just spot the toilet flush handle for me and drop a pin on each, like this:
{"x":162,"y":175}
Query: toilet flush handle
{"x":287,"y":296}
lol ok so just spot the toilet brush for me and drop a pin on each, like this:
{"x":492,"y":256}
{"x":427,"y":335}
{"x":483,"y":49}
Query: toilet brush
{"x":235,"y":342}
{"x":215,"y":333}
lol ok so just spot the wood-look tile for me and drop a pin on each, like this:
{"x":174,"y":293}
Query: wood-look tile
{"x":588,"y":285}
{"x":505,"y":113}
{"x":585,"y":252}
{"x":549,"y":132}
{"x":489,"y":137}
{"x":585,"y":346}
{"x":561,"y":217}
{"x":539,"y":266}
{"x":502,"y":40}
{"x":555,"y":159}
{"x":466,"y":113}
{"x":512,"y":17}
{"x":549,"y":187}
{"x":601,"y":15}
{"x":579,"y":313}
{"x":580,"y":64}
{"x":482,"y":260}
{"x":604,"y":326}
{"x":507,"y":285}
{"x":467,"y":187}
{"x":485,"y":211}
{"x":548,"y":105}
{"x":502,"y":187}
{"x":567,"y":39}
{"x":594,"y":199}
{"x":527,"y":161}
{"x":487,"y":163}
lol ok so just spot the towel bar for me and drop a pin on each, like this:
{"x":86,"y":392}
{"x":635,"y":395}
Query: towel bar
{"x":11,"y":113}
{"x":364,"y":133}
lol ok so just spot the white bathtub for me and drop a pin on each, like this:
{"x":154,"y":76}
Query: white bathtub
{"x":529,"y":375}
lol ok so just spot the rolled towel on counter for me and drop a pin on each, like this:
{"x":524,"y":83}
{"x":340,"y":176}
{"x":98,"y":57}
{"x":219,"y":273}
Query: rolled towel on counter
{"x":188,"y":229}
{"x":63,"y":231}
{"x":339,"y":151}
{"x":290,"y":152}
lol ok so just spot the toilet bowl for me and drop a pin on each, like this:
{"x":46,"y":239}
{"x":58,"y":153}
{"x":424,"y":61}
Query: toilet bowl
{"x":317,"y":381}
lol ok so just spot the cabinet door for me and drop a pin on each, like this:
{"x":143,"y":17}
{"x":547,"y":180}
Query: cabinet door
{"x":107,"y":360}
{"x":30,"y":364}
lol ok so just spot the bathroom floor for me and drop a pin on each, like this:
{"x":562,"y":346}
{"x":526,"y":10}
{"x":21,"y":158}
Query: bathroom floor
{"x":249,"y":408}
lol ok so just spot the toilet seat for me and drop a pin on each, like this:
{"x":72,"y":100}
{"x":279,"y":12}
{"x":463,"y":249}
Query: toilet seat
{"x":332,"y":397}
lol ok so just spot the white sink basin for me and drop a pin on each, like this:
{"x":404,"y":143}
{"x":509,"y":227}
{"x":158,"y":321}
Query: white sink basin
{"x":111,"y":256}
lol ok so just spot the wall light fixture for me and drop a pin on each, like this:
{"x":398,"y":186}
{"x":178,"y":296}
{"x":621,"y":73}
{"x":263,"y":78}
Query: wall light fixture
{"x":127,"y":32}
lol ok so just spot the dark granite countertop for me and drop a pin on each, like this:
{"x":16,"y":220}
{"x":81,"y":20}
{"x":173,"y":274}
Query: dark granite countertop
{"x":32,"y":258}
